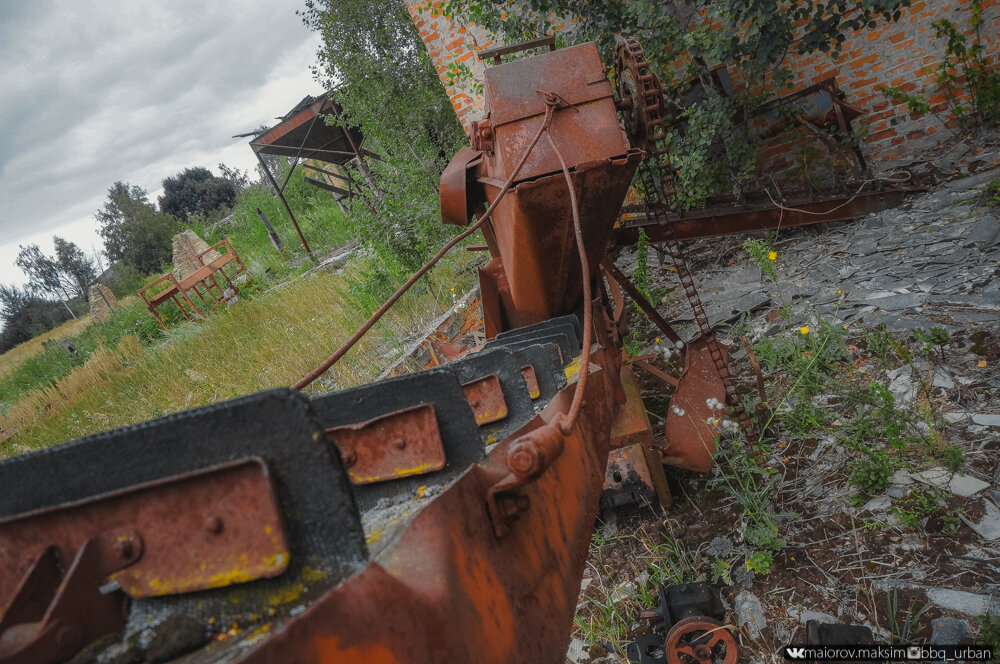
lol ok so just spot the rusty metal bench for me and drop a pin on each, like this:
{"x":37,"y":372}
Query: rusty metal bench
{"x":204,"y":277}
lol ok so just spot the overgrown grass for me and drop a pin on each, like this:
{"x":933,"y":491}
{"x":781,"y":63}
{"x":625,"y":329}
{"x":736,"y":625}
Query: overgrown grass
{"x":322,"y":224}
{"x":16,"y":356}
{"x":32,"y":366}
{"x":262,"y":342}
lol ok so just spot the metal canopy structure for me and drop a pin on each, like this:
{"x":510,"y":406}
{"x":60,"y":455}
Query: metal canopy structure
{"x":305,"y":133}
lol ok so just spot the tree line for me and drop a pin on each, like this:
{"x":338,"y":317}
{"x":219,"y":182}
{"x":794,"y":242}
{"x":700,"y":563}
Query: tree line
{"x":137,"y":236}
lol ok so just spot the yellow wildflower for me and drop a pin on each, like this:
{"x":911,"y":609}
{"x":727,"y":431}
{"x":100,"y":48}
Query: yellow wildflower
{"x":804,"y":329}
{"x":773,"y":256}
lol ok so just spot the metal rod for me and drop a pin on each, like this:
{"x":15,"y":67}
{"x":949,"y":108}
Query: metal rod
{"x":298,"y":154}
{"x":647,"y":308}
{"x":291,"y":216}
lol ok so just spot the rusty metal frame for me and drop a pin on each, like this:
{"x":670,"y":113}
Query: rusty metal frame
{"x":712,"y":222}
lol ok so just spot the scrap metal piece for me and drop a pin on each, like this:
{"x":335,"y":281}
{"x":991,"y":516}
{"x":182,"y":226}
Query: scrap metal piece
{"x":458,"y":198}
{"x":200,"y":530}
{"x":456,"y":426}
{"x":77,"y":612}
{"x":627,"y":479}
{"x":447,"y":568}
{"x":402,"y":443}
{"x":701,"y":640}
{"x":697,"y":409}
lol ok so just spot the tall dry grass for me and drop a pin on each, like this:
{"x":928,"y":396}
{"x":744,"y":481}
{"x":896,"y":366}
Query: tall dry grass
{"x":13,"y":358}
{"x":265,"y":342}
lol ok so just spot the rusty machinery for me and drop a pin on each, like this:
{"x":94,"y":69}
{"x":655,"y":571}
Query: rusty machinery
{"x":443,"y":515}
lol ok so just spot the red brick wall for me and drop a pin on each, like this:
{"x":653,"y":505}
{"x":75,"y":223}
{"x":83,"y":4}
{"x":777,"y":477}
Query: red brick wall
{"x":904,"y":55}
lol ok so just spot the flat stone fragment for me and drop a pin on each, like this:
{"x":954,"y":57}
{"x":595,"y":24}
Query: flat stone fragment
{"x":986,"y":419}
{"x":900,"y":301}
{"x":959,"y":601}
{"x":750,"y":613}
{"x":949,"y":631}
{"x":983,"y":234}
{"x":988,"y":527}
{"x":942,"y":478}
{"x":942,"y":379}
{"x":804,"y":615}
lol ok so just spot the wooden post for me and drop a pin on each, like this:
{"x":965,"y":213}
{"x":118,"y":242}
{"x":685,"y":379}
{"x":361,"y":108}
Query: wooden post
{"x":275,"y":240}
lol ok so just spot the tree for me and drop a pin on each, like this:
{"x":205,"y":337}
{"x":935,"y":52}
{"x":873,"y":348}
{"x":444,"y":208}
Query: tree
{"x":66,"y":275}
{"x":374,"y":60}
{"x":26,"y":315}
{"x":133,"y":231}
{"x":196,"y":191}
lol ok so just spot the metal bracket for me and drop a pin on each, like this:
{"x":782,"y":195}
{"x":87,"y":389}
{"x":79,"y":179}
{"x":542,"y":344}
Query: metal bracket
{"x":52,"y":625}
{"x":403,"y":443}
{"x":527,"y":458}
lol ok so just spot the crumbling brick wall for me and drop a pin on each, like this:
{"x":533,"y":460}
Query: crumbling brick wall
{"x":187,"y":245}
{"x":903,"y":54}
{"x":102,"y":301}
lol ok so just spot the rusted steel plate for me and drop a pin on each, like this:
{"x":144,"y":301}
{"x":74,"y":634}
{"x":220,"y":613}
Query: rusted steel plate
{"x":406,"y":442}
{"x":486,"y":399}
{"x":534,"y":232}
{"x":697,"y":409}
{"x":200,"y":530}
{"x":517,"y":106}
{"x":627,"y":478}
{"x":456,"y":195}
{"x":631,"y":426}
{"x":531,"y":380}
{"x":710,"y":222}
{"x":450,"y":590}
{"x":631,"y":423}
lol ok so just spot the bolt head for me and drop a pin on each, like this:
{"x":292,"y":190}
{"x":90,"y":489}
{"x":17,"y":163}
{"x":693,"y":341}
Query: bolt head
{"x":399,"y":443}
{"x":350,"y":457}
{"x":124,"y":548}
{"x":214,"y":525}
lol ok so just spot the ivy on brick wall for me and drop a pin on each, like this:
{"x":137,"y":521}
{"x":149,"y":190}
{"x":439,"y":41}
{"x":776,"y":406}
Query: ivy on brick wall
{"x":377,"y":68}
{"x":710,"y":147}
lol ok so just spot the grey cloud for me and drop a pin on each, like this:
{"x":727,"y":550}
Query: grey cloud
{"x":101,"y":91}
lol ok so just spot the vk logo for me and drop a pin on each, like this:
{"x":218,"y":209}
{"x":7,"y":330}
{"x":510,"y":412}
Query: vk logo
{"x":795,"y":653}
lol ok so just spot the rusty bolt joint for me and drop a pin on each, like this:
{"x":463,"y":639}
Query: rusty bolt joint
{"x":535,"y":451}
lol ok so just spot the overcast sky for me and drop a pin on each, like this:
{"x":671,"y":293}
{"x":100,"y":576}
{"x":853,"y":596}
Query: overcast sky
{"x":99,"y":91}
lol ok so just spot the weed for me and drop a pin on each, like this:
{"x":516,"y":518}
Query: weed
{"x":952,"y":458}
{"x":760,"y":562}
{"x":876,"y":416}
{"x":881,"y":344}
{"x":740,"y":474}
{"x":951,"y":522}
{"x":936,"y":337}
{"x":871,"y":475}
{"x":764,"y":256}
{"x":989,"y":634}
{"x":633,"y":343}
{"x":916,"y":505}
{"x":640,"y":274}
{"x":721,"y":571}
{"x":991,"y":194}
{"x":904,"y":626}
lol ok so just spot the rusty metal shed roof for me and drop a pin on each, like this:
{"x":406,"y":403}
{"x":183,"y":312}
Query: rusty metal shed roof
{"x":304,"y":133}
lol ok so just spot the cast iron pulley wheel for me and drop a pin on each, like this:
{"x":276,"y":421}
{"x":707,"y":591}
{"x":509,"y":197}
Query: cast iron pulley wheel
{"x":641,"y":94}
{"x":700,"y":640}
